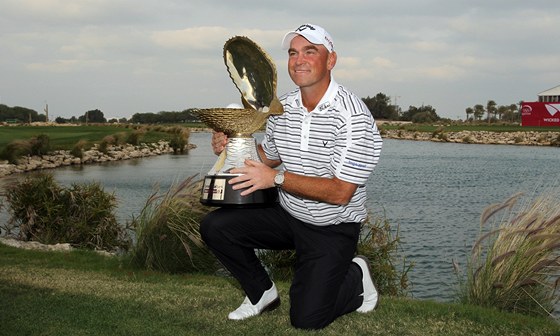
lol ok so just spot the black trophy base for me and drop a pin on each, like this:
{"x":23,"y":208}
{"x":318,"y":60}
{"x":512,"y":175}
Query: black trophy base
{"x":216,"y":191}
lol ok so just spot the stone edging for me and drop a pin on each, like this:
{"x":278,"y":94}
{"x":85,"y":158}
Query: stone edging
{"x":64,"y":158}
{"x":479,"y":137}
{"x":33,"y":245}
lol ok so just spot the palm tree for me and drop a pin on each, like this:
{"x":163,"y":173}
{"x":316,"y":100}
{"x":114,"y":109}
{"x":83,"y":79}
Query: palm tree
{"x":501,"y":110}
{"x":469,"y":111}
{"x":490,"y":109}
{"x":478,"y":111}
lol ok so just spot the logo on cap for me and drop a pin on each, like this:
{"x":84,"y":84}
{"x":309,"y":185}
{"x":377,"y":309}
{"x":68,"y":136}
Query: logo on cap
{"x":304,"y":27}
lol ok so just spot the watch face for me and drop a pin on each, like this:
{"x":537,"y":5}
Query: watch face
{"x":279,"y":179}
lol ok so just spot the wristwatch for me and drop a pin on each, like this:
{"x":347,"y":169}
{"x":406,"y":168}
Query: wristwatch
{"x":279,"y":179}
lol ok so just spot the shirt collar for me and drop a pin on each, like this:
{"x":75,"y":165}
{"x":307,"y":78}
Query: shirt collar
{"x":328,"y":98}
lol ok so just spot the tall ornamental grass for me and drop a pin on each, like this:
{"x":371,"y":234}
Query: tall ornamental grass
{"x":168,"y":231}
{"x":514,"y":264}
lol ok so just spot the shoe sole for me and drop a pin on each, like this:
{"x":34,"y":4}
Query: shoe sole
{"x":271,"y":306}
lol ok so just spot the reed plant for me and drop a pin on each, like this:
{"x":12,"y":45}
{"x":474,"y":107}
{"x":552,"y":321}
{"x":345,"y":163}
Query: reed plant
{"x":514,"y":265}
{"x":381,"y":243}
{"x":378,"y":241}
{"x":167,"y":231}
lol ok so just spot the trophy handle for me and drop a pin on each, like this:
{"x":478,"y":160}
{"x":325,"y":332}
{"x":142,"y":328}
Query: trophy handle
{"x":275,"y":107}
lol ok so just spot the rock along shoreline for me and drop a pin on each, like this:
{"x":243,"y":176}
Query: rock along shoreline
{"x":479,"y":137}
{"x":62,"y":158}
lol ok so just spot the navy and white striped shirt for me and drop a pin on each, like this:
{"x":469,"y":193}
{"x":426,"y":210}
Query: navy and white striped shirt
{"x":339,"y":138}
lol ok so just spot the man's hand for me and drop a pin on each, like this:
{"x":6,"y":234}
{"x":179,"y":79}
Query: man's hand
{"x":255,"y":176}
{"x":219,"y":141}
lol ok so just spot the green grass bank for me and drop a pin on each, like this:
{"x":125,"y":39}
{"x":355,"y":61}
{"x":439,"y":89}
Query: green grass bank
{"x":65,"y":137}
{"x":83,"y":293}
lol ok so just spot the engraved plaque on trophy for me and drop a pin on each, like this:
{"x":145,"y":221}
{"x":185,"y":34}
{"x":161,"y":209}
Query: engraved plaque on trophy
{"x":254,"y":75}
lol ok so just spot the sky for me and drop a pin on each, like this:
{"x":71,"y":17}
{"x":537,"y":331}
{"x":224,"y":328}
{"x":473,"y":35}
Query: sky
{"x":136,"y":56}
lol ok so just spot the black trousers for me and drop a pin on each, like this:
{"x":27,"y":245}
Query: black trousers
{"x":326,"y":283}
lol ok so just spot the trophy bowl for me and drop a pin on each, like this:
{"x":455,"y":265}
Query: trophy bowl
{"x":254,"y":74}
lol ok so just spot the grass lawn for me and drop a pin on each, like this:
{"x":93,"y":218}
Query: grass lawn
{"x":65,"y":137}
{"x":83,"y":293}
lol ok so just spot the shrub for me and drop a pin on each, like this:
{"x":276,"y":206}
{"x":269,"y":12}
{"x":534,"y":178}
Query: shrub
{"x":81,"y":215}
{"x":179,"y":139}
{"x":134,"y":137}
{"x":105,"y":143}
{"x":15,"y":150}
{"x":438,"y":133}
{"x":468,"y":139}
{"x":514,"y":264}
{"x":377,"y":242}
{"x":120,"y":138}
{"x":78,"y":149}
{"x":40,"y":145}
{"x":167,"y":232}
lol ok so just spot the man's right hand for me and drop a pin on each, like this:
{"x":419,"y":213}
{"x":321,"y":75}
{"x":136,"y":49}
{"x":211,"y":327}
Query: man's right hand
{"x":219,"y":141}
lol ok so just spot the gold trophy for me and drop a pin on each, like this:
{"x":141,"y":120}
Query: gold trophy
{"x":254,"y":75}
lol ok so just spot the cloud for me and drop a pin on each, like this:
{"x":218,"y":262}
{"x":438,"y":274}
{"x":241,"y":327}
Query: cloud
{"x":65,"y":66}
{"x":160,"y":54}
{"x":197,"y":38}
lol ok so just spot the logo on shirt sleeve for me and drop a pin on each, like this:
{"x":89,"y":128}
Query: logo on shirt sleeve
{"x":355,"y":164}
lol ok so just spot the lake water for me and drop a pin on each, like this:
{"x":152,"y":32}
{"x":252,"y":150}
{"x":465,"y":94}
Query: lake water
{"x":434,"y":192}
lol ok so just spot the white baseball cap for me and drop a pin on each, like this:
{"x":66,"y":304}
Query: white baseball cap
{"x":312,"y":33}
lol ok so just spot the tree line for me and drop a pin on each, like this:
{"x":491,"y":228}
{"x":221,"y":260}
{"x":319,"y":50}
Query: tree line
{"x":18,"y":114}
{"x":494,"y":112}
{"x":379,"y":105}
{"x":381,"y":108}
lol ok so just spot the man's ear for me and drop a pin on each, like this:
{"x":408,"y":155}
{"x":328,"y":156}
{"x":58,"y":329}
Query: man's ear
{"x":331,"y":60}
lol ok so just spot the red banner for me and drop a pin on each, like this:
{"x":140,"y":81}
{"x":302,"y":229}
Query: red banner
{"x":540,"y":114}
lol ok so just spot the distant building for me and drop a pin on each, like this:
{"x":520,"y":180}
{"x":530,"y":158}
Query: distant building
{"x":545,"y":111}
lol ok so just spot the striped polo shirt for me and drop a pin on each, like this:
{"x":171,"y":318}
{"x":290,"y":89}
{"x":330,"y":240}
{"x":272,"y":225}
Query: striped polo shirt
{"x":339,"y":138}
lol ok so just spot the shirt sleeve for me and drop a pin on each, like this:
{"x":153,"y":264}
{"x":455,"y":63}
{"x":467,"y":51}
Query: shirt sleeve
{"x":358,"y":148}
{"x":268,"y":145}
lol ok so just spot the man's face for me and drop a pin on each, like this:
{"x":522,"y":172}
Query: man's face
{"x":309,"y":64}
